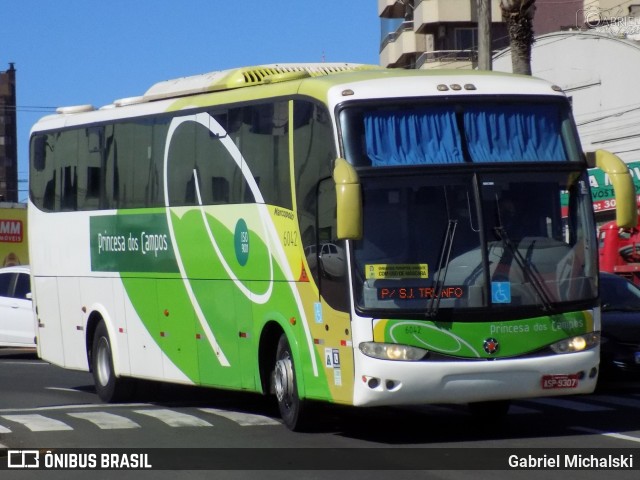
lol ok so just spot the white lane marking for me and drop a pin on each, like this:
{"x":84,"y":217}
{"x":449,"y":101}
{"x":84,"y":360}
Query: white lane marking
{"x":73,"y":407}
{"x":25,"y":363}
{"x":4,"y":430}
{"x":105,"y":420}
{"x":62,"y":389}
{"x":241,"y":418}
{"x":38,"y":423}
{"x":607,"y":434}
{"x":175,"y":419}
{"x":570,"y":404}
{"x":622,"y":401}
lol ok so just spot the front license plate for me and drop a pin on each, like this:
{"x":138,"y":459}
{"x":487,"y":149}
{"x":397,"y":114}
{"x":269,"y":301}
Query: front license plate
{"x":559,"y":381}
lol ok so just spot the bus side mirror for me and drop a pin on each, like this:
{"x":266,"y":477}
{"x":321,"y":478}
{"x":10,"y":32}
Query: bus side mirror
{"x":625,"y":191}
{"x":348,"y":201}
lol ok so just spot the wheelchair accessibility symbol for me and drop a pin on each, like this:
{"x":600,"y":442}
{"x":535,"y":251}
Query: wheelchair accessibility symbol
{"x":500,"y":292}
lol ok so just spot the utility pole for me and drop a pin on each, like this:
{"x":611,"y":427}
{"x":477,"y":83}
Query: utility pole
{"x":484,"y":34}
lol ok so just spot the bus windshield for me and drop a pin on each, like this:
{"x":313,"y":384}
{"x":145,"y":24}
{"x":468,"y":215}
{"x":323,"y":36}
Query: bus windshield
{"x":447,"y":237}
{"x":466,"y":241}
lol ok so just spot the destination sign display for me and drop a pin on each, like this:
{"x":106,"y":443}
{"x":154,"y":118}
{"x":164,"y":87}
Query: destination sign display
{"x":420,"y":293}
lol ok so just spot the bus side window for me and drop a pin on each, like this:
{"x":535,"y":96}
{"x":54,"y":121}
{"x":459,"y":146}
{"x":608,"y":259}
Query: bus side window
{"x":331,"y":252}
{"x":90,"y":167}
{"x":220,"y":190}
{"x":67,"y":167}
{"x":42,"y":174}
{"x":265,"y":148}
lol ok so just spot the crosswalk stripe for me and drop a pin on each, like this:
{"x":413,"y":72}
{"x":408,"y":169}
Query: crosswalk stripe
{"x":175,"y":419}
{"x":241,"y":418}
{"x":105,"y":420}
{"x":110,"y":421}
{"x":570,"y":404}
{"x":38,"y":423}
{"x":607,"y":434}
{"x":81,"y":406}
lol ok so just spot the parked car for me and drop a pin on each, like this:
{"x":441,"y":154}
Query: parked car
{"x":17,"y":321}
{"x":620,"y":349}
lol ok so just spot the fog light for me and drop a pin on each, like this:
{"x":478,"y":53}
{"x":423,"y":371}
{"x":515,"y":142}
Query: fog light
{"x":391,"y":384}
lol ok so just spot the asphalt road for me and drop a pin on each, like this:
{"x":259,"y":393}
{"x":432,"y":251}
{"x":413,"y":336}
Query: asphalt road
{"x":45,"y":407}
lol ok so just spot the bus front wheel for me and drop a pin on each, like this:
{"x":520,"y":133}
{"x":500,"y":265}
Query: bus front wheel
{"x":286,"y":388}
{"x":108,"y":387}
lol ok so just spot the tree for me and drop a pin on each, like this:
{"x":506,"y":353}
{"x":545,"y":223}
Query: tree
{"x":484,"y":34}
{"x":518,"y":15}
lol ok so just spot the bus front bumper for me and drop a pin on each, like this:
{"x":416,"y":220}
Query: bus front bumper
{"x":386,"y":383}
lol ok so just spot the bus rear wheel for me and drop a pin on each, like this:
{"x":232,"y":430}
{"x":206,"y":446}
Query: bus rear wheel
{"x":292,"y":408}
{"x":109,"y":388}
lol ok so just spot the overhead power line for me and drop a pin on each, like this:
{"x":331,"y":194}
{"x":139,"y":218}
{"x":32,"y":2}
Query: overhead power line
{"x":26,"y":108}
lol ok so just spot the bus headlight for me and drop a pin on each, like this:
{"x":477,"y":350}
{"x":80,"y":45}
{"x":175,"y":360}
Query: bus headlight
{"x":577,"y":344}
{"x":392,"y":351}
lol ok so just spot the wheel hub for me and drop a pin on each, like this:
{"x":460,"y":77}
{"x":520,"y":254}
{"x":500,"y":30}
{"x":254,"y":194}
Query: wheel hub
{"x":103,"y":367}
{"x":283,"y":379}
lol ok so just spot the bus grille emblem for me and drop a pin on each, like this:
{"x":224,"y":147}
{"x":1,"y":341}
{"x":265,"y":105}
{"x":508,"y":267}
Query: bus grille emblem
{"x":491,"y":346}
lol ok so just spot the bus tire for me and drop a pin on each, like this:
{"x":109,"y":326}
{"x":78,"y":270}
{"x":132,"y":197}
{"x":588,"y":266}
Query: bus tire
{"x":109,"y":388}
{"x":292,"y":408}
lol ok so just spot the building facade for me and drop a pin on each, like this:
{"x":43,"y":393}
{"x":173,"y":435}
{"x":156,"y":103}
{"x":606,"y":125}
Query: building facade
{"x":434,"y":33}
{"x":444,"y":33}
{"x":8,"y":137}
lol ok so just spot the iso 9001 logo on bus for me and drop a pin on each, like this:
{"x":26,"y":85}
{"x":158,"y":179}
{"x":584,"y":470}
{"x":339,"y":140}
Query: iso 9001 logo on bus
{"x":491,"y":346}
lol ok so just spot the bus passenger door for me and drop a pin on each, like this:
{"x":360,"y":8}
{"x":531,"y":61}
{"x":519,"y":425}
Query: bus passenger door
{"x":333,"y":311}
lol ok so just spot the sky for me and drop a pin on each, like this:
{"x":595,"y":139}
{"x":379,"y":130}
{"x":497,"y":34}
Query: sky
{"x":76,"y":52}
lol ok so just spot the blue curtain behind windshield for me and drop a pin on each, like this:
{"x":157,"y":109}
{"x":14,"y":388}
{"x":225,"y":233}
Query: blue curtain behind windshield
{"x":413,"y":137}
{"x":508,"y":133}
{"x":494,"y":133}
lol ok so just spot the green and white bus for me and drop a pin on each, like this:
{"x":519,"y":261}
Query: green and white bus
{"x":325,"y":232}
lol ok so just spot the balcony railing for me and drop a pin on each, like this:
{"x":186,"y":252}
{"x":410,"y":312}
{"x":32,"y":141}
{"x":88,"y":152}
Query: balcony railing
{"x":445,"y":56}
{"x":393,"y":36}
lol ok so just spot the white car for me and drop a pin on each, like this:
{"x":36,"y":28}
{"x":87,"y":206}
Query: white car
{"x":332,"y":259}
{"x":17,"y":321}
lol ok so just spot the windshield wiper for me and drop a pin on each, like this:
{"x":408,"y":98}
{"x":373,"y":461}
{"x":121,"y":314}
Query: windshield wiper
{"x":607,"y":307}
{"x":529,"y":273}
{"x":445,"y":255}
